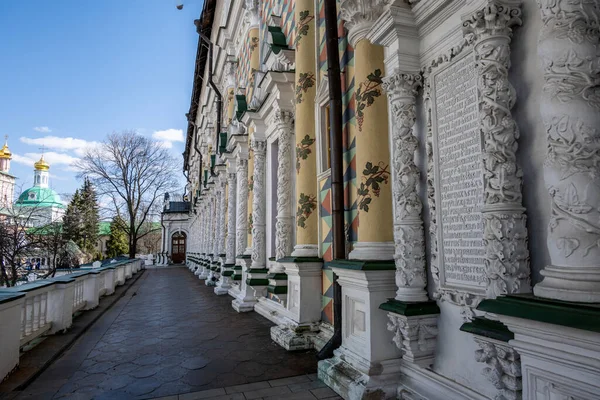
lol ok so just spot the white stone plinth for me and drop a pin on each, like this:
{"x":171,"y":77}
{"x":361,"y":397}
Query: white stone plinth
{"x":367,"y":364}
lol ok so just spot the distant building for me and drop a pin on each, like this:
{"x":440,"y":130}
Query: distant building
{"x":40,"y":203}
{"x":103,"y":236}
{"x":7,"y":181}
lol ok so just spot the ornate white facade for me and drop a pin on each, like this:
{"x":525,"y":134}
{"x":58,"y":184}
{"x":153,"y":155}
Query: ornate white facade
{"x":470,"y":182}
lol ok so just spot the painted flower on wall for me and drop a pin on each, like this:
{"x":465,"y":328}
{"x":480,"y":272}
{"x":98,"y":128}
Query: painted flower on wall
{"x":306,"y":205}
{"x":373,"y":177}
{"x":303,"y":25}
{"x":368,"y":90}
{"x":250,"y":224}
{"x":303,"y":150}
{"x":306,"y":80}
{"x":251,"y":184}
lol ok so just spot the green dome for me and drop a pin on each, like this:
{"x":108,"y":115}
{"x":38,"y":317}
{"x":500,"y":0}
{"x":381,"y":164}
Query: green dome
{"x":40,"y":197}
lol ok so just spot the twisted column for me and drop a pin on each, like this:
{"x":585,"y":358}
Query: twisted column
{"x":409,"y":236}
{"x":504,"y":220}
{"x":569,"y":50}
{"x":242,"y":203}
{"x":231,"y":219}
{"x":284,"y":220}
{"x":258,"y":206}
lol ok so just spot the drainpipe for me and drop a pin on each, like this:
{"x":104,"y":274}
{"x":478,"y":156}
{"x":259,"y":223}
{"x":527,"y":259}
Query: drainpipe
{"x":200,"y":154}
{"x":206,"y":40}
{"x":337,"y":166}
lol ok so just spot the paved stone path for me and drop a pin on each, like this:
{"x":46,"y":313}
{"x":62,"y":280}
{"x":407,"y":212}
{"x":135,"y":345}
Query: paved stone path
{"x":170,"y":334}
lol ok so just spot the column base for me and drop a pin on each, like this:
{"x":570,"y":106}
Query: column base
{"x":242,"y":306}
{"x":271,"y":310}
{"x":372,"y":251}
{"x":342,"y":374}
{"x":581,"y":285}
{"x":246,"y":298}
{"x":367,"y":365}
{"x":306,"y":250}
{"x":234,"y":290}
{"x":295,"y":338}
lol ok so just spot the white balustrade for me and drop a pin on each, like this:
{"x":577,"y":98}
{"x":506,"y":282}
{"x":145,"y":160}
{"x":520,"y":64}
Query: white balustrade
{"x":78,"y":301}
{"x":47,"y":306}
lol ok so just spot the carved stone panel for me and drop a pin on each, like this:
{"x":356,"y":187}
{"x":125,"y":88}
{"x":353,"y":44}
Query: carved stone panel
{"x":458,"y":171}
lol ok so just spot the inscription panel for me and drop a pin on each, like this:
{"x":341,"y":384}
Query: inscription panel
{"x":457,"y":145}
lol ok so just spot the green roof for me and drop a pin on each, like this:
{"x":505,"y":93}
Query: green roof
{"x":40,"y":197}
{"x":104,"y":228}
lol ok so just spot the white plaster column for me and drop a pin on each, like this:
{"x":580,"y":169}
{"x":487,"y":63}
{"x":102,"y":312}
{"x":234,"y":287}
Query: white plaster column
{"x":570,"y":106}
{"x":223,"y":283}
{"x":254,"y":276}
{"x":212,"y":234}
{"x":242,"y":204}
{"x":504,"y":220}
{"x":259,"y":248}
{"x":409,"y":236}
{"x":231,"y":219}
{"x":284,"y":225}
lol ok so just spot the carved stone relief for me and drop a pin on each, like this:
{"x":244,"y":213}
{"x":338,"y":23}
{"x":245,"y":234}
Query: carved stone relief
{"x":409,"y":236}
{"x":231,"y":218}
{"x":242,"y":204}
{"x":569,"y":49}
{"x":503,"y":368}
{"x":416,"y":336}
{"x":259,"y":249}
{"x":477,"y":230}
{"x":285,"y":224}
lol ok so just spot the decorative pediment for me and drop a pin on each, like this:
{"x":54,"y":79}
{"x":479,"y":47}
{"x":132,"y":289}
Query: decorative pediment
{"x":278,"y":56}
{"x":258,"y":94}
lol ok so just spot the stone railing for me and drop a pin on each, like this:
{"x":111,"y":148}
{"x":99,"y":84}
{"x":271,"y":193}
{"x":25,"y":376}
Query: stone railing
{"x":47,"y":306}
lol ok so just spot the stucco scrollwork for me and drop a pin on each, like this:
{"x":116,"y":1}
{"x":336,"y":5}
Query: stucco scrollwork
{"x":411,"y":278}
{"x":505,"y":231}
{"x":360,"y":15}
{"x":503,"y":368}
{"x":284,"y":223}
{"x":258,"y":205}
{"x":416,"y":336}
{"x":231,"y":217}
{"x":569,"y":50}
{"x":242,"y":204}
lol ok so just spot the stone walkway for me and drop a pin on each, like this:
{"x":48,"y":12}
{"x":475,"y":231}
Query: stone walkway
{"x":170,"y":334}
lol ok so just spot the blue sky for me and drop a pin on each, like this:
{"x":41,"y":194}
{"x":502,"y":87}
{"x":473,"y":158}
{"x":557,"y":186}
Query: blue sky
{"x":73,"y":71}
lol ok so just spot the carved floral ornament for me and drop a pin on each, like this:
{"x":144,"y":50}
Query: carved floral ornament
{"x":360,"y":15}
{"x":487,"y":33}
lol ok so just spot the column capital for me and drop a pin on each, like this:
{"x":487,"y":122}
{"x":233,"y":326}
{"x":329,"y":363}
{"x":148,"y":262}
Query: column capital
{"x":494,"y":19}
{"x":360,"y":15}
{"x":284,"y":117}
{"x":259,"y":147}
{"x":402,"y":84}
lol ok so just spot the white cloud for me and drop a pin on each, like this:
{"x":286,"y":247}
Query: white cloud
{"x":61,"y":143}
{"x":169,"y":135}
{"x":165,"y":144}
{"x":51,"y":157}
{"x":42,"y":129}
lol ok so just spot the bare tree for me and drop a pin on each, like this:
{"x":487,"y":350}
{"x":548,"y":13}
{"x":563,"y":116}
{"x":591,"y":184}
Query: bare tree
{"x":20,"y":239}
{"x":133,"y":172}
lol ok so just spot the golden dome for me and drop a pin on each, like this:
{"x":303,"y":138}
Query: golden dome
{"x":5,"y":152}
{"x":42,"y":165}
